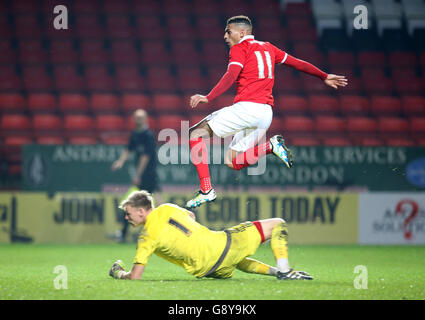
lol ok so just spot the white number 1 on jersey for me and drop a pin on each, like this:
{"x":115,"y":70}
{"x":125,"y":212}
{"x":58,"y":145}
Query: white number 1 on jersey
{"x":261,"y":64}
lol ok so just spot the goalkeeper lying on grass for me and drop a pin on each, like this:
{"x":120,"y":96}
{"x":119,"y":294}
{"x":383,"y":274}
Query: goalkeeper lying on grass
{"x":171,"y":232}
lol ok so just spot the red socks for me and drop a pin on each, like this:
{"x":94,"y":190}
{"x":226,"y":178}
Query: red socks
{"x":199,"y":154}
{"x":251,"y":156}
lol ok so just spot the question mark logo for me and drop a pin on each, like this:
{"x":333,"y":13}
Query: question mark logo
{"x":410,"y":208}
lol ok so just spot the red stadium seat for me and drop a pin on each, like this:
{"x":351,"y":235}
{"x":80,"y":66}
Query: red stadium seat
{"x":124,"y":52}
{"x":326,"y":124}
{"x":298,"y":124}
{"x":15,"y":123}
{"x":403,"y":73}
{"x":41,"y":102}
{"x":196,"y":118}
{"x":73,"y":103}
{"x":400,"y":142}
{"x":155,"y":53}
{"x":290,"y":104}
{"x":104,"y":103}
{"x":276,"y":127}
{"x":128,"y":78}
{"x":49,"y":139}
{"x":67,"y":78}
{"x":147,"y":8}
{"x":371,"y":59}
{"x":89,"y":27}
{"x":382,"y":85}
{"x":415,"y":85}
{"x":160,"y":79}
{"x":413,"y":105}
{"x":402,"y":59}
{"x":298,"y":10}
{"x":368,"y":141}
{"x":313,"y":85}
{"x":354,"y":105}
{"x":131,"y":102}
{"x":83,"y":140}
{"x":361,"y":125}
{"x":206,"y":8}
{"x":173,"y":8}
{"x":46,"y":122}
{"x":164,"y":103}
{"x":12,"y":102}
{"x":75,"y":123}
{"x":109,"y":123}
{"x":305,"y":141}
{"x":185,"y":53}
{"x":32,"y":52}
{"x":115,"y":139}
{"x":36,"y":78}
{"x":98,"y":78}
{"x":118,"y":26}
{"x":344,"y":59}
{"x":385,"y":105}
{"x":417,"y":125}
{"x":93,"y":51}
{"x":27,"y":26}
{"x":170,"y":122}
{"x":62,"y":52}
{"x":116,"y":7}
{"x":191,"y":80}
{"x":321,"y":104}
{"x":336,"y":142}
{"x":393,"y":125}
{"x":224,"y":100}
{"x":10,"y":81}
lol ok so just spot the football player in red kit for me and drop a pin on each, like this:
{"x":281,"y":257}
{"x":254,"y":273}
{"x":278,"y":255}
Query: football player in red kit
{"x":251,"y":65}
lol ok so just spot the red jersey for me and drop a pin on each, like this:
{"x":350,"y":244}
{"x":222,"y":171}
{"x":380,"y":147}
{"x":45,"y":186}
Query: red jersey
{"x":257,"y":59}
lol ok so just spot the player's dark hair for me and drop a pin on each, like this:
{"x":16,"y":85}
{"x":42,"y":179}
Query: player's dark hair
{"x":138,"y":199}
{"x":240,"y":20}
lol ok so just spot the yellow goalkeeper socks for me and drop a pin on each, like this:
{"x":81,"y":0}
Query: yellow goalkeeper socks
{"x":279,"y":244}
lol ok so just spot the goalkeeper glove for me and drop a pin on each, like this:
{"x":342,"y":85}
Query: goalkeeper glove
{"x":117,"y":270}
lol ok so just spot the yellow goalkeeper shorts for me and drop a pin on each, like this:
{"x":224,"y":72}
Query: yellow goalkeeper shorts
{"x":245,"y":240}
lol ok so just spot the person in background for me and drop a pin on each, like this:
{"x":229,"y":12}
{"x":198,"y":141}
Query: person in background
{"x":142,"y":143}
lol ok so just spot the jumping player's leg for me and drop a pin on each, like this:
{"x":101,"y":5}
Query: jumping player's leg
{"x":199,"y":156}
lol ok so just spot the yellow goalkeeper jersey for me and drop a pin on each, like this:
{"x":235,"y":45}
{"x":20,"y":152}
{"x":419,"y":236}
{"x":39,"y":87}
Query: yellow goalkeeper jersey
{"x":172,"y":234}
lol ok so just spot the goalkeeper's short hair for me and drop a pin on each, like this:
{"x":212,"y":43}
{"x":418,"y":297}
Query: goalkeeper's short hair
{"x":138,"y":199}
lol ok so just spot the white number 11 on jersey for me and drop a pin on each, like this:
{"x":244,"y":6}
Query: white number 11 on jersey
{"x":260,"y":61}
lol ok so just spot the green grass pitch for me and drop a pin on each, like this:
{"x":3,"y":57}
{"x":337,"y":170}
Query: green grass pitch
{"x":393,"y":272}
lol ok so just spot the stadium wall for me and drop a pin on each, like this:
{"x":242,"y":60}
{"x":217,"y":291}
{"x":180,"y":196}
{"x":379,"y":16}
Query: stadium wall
{"x":313,"y":218}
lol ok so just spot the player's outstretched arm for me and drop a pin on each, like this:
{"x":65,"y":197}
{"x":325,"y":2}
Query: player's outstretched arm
{"x":117,"y":271}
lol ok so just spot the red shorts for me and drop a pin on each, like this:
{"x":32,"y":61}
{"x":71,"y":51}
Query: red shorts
{"x":257,"y":224}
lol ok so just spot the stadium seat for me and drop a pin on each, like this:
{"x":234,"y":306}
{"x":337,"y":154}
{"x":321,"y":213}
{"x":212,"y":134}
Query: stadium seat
{"x":46,"y":122}
{"x":402,"y":59}
{"x":118,"y":26}
{"x":104,"y":103}
{"x":354,"y":105}
{"x":329,"y":124}
{"x":413,"y":105}
{"x":161,"y":80}
{"x":290,"y":104}
{"x":191,"y":80}
{"x":298,"y":124}
{"x":41,"y":102}
{"x":155,"y":53}
{"x":114,"y":139}
{"x":128,"y":78}
{"x":15,"y":123}
{"x":49,"y":139}
{"x":373,"y":59}
{"x":147,"y":8}
{"x":12,"y":102}
{"x":36,"y":79}
{"x":313,"y":85}
{"x":336,"y":142}
{"x":27,"y":26}
{"x":116,"y":7}
{"x":393,"y":125}
{"x":400,"y":142}
{"x":194,"y":119}
{"x":417,"y":125}
{"x":73,"y":103}
{"x":286,"y":82}
{"x":89,"y":27}
{"x":124,"y":52}
{"x":304,"y":141}
{"x":361,"y":125}
{"x":383,"y":85}
{"x":62,"y":52}
{"x":109,"y":122}
{"x":404,"y":73}
{"x":367,"y":141}
{"x":92,"y":52}
{"x":345,"y":59}
{"x":83,"y":140}
{"x":170,"y":122}
{"x":165,"y":103}
{"x":414,"y":86}
{"x":276,"y":127}
{"x":322,"y":104}
{"x":8,"y":53}
{"x":31,"y":52}
{"x":131,"y":102}
{"x":223,"y":100}
{"x":67,"y":78}
{"x":97,"y":78}
{"x":385,"y":105}
{"x":78,"y":123}
{"x":185,"y":53}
